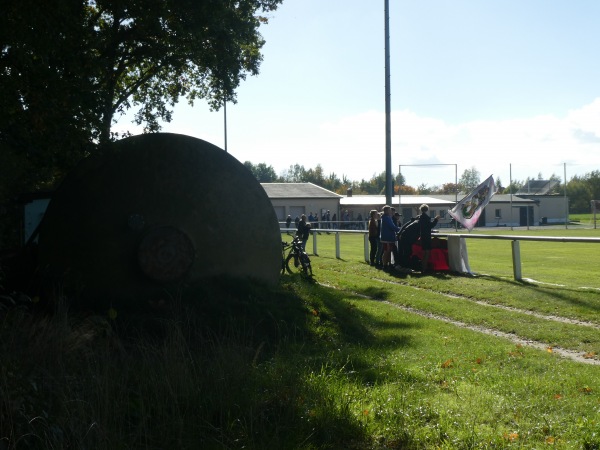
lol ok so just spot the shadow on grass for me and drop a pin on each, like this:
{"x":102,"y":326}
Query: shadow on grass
{"x":227,"y":364}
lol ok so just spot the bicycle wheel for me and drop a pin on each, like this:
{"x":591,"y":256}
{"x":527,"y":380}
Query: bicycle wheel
{"x":305,"y":264}
{"x":290,"y":262}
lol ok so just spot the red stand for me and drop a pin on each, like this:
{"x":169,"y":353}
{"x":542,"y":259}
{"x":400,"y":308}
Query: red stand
{"x":438,"y":256}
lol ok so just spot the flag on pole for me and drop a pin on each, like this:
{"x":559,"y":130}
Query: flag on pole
{"x":468,"y":210}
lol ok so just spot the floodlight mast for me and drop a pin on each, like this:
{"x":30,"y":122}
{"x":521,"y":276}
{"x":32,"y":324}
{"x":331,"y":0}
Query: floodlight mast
{"x":388,"y":126}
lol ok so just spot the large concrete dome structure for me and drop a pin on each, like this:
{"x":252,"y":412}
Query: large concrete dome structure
{"x":154,"y":211}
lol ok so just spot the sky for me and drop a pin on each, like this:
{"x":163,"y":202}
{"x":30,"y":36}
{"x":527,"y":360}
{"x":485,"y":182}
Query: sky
{"x":508,"y":87}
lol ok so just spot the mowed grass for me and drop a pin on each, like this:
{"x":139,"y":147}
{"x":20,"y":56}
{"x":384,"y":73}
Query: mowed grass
{"x":357,"y":359}
{"x":557,"y":309}
{"x":549,"y":262}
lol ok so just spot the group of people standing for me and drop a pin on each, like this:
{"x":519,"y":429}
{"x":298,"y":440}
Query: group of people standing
{"x":391,"y":242}
{"x":328,"y":221}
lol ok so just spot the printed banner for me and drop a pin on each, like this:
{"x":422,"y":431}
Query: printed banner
{"x":467,"y":211}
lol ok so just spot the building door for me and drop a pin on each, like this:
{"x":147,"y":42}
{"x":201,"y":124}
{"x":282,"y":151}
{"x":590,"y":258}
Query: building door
{"x":481,"y":220}
{"x":296,"y":211}
{"x":280,"y":212}
{"x":524,"y":217}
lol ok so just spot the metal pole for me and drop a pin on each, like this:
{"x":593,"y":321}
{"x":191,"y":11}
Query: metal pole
{"x":400,"y":193}
{"x":388,"y":124}
{"x":511,"y":195}
{"x":528,"y":204}
{"x":566,"y":198}
{"x":456,"y":192}
{"x":225,"y":123}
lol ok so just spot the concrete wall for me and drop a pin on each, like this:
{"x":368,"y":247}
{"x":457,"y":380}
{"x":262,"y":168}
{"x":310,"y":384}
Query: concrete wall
{"x":299,"y":206}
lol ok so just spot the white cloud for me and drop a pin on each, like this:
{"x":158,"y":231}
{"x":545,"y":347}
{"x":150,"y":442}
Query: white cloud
{"x":354,"y":145}
{"x":528,"y":146}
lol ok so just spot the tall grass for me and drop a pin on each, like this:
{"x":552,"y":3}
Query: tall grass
{"x":360,"y":359}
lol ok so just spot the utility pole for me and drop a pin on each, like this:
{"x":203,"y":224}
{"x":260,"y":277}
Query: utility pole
{"x":388,"y":124}
{"x":225,"y":122}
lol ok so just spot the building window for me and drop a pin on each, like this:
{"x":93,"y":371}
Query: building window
{"x":442,"y":213}
{"x":498,"y":214}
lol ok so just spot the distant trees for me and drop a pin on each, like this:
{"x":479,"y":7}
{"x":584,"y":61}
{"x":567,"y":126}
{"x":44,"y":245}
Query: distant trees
{"x":580,"y":189}
{"x":469,"y":180}
{"x":262,"y":172}
{"x":449,"y":188}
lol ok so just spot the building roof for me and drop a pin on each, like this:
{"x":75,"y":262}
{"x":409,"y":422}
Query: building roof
{"x":496,"y":198}
{"x":310,"y":190}
{"x":365,"y":200}
{"x":297,"y":190}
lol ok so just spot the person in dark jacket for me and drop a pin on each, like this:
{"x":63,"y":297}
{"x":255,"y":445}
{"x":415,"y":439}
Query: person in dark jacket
{"x":396,"y":218}
{"x":388,"y":236}
{"x":409,"y":233}
{"x":425,"y":227}
{"x":373,"y":235}
{"x":303,"y":231}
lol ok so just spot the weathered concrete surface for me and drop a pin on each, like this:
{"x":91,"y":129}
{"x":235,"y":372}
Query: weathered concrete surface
{"x":156,"y":210}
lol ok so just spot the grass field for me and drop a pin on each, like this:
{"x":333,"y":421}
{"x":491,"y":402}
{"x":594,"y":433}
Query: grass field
{"x":357,"y":359}
{"x":541,"y":261}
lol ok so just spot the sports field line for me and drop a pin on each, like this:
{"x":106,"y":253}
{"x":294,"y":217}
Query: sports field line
{"x":565,"y":353}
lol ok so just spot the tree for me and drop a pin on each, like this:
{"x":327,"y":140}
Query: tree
{"x":315,"y":175}
{"x":423,"y":189}
{"x":152,"y":53}
{"x":262,"y":172}
{"x":332,"y":182}
{"x":376,"y":185}
{"x":449,"y":188}
{"x":469,"y":180}
{"x":581,"y":190}
{"x":295,"y":174}
{"x":499,"y":187}
{"x":406,"y":190}
{"x":68,"y":68}
{"x":45,"y":82}
{"x":579,"y":193}
{"x":514,"y":186}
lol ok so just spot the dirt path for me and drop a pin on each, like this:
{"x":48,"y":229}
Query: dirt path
{"x":565,"y":353}
{"x":570,"y":354}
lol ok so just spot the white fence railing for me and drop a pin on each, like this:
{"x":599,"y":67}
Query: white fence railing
{"x":515,"y":243}
{"x":516,"y":246}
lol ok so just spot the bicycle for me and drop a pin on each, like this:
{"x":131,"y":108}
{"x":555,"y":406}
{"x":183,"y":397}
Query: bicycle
{"x":300,"y":258}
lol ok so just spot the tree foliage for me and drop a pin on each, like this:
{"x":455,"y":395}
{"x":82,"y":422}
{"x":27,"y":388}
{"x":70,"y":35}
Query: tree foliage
{"x":68,"y":68}
{"x":262,"y":172}
{"x":581,"y":190}
{"x":469,"y":180}
{"x":449,"y":188}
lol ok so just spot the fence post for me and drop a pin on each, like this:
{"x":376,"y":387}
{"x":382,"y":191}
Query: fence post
{"x":314,"y":235}
{"x":337,"y":245}
{"x":516,"y":256}
{"x":367,"y":256}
